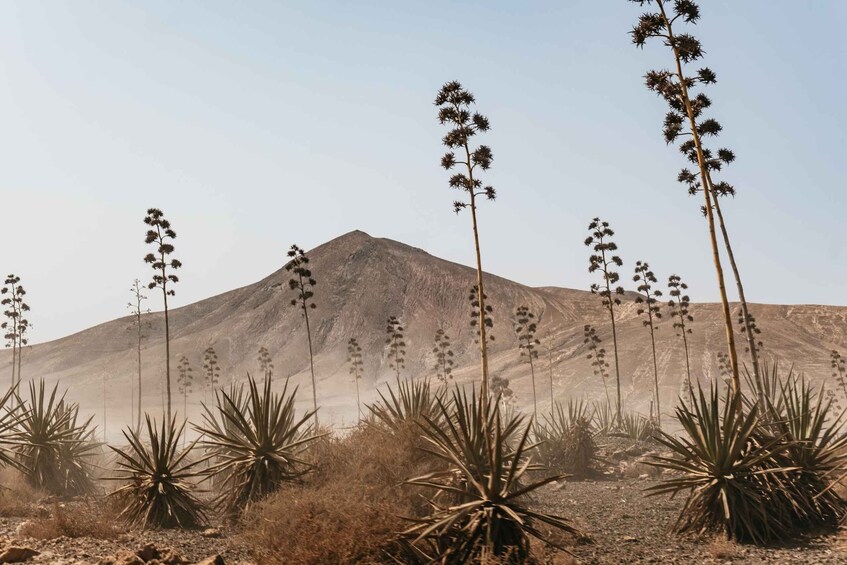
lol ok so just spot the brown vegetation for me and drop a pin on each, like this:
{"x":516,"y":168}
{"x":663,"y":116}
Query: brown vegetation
{"x":350,"y":509}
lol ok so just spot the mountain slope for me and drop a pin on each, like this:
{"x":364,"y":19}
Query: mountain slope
{"x":361,"y":282}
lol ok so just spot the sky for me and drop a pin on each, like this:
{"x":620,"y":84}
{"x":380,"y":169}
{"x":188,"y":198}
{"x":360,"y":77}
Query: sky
{"x":255,"y":125}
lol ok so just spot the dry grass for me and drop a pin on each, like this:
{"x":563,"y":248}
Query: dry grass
{"x":350,"y":508}
{"x":721,"y":548}
{"x":17,"y":497}
{"x":90,"y":518}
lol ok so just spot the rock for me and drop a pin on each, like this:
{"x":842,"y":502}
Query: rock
{"x":171,"y":557}
{"x":211,"y":533}
{"x":630,"y":539}
{"x":214,"y":560}
{"x":123,"y":557}
{"x":14,"y":554}
{"x":148,"y":553}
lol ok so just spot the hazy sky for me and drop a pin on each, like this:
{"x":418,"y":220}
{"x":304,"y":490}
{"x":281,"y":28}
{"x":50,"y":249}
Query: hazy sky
{"x":258,"y":124}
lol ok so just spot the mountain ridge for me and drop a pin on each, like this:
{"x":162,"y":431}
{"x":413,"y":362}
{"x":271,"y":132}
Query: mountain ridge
{"x":361,"y":281}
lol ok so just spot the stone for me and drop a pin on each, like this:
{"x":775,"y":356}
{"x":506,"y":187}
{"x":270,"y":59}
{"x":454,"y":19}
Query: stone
{"x":15,"y":554}
{"x":211,"y":533}
{"x":214,"y":560}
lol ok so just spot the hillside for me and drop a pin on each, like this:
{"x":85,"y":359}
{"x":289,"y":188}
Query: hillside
{"x":361,"y":282}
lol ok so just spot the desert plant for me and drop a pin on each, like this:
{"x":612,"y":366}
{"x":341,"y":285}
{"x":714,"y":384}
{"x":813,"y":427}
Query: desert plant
{"x":635,"y":426}
{"x":479,"y":507}
{"x":257,"y":443}
{"x":550,"y":367}
{"x":481,"y":312}
{"x":211,"y":370}
{"x":679,"y":309}
{"x":454,"y":111}
{"x":836,"y":361}
{"x":302,"y":284}
{"x":648,"y":299}
{"x":54,"y":448}
{"x":443,"y":356}
{"x":396,"y":345}
{"x":158,"y":490}
{"x":566,"y":439}
{"x":603,"y":418}
{"x":185,"y":380}
{"x":162,"y":235}
{"x":12,"y":411}
{"x":266,"y":365}
{"x":410,"y":402}
{"x":675,"y":87}
{"x":354,"y":359}
{"x":605,"y":261}
{"x":729,"y":469}
{"x":525,"y":328}
{"x":139,"y":326}
{"x":816,"y":446}
{"x":16,"y":325}
{"x":597,"y":356}
{"x":747,"y":323}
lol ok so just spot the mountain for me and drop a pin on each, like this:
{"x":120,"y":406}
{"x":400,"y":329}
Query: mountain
{"x":362,"y":281}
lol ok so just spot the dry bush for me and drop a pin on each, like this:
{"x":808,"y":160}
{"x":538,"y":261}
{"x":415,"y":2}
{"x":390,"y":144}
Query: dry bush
{"x":17,"y":497}
{"x":721,"y":548}
{"x":89,"y":518}
{"x":350,"y":509}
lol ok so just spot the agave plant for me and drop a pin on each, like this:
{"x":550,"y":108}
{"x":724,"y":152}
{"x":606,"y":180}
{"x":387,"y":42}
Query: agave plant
{"x":412,"y":402}
{"x":566,"y":439}
{"x":11,"y":413}
{"x":256,"y":442}
{"x":603,"y":418}
{"x":479,"y":509}
{"x":730,"y":469}
{"x":635,"y":426}
{"x":54,"y":449}
{"x":159,"y":489}
{"x":816,"y":447}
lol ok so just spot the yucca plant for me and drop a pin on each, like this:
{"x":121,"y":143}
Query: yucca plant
{"x":257,"y":442}
{"x":603,"y":418}
{"x":815,"y":445}
{"x":566,"y":439}
{"x":730,"y":469}
{"x":409,"y":403}
{"x":635,"y":426}
{"x":479,"y":509}
{"x":159,"y":489}
{"x":54,"y":448}
{"x":12,"y":412}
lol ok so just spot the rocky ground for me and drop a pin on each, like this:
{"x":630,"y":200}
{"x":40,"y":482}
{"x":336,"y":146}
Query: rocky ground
{"x":621,"y":523}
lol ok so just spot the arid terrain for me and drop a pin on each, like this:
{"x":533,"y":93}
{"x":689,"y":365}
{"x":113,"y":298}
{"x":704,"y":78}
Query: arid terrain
{"x":362,"y":280}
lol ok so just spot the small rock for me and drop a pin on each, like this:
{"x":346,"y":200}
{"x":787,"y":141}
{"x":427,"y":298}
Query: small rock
{"x":14,"y":554}
{"x":211,"y":533}
{"x":630,"y":539}
{"x":148,"y":553}
{"x":643,"y":476}
{"x":214,"y":560}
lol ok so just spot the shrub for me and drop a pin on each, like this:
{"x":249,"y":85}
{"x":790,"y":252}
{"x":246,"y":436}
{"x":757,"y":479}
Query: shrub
{"x":566,"y":439}
{"x":816,"y":447}
{"x":86,"y":519}
{"x":257,"y":442}
{"x":729,"y":469}
{"x":349,"y":509}
{"x":17,"y":497}
{"x":479,"y":509}
{"x":158,"y":490}
{"x":635,"y":426}
{"x":413,"y":401}
{"x":54,"y":449}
